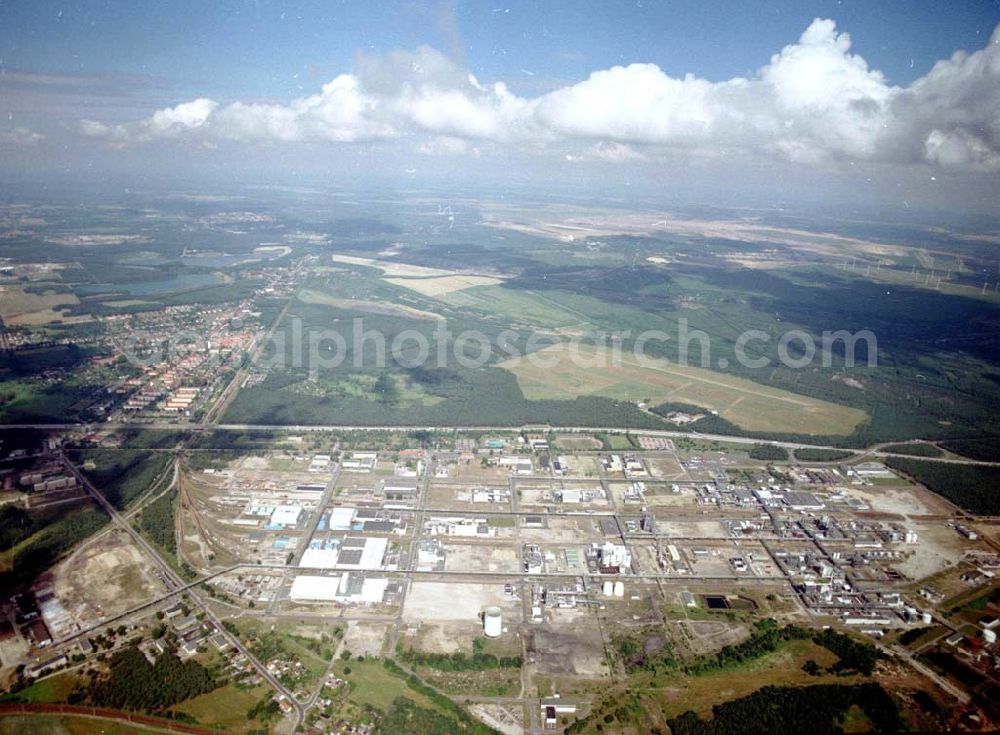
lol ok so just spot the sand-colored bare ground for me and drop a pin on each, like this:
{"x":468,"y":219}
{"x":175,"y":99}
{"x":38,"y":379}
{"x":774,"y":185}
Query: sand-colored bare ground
{"x":455,"y":601}
{"x":105,"y":578}
{"x":364,"y":639}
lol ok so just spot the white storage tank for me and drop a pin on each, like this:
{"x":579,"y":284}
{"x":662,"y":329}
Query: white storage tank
{"x":989,"y":637}
{"x":608,"y":588}
{"x":619,"y":589}
{"x":492,"y":622}
{"x":927,"y":619}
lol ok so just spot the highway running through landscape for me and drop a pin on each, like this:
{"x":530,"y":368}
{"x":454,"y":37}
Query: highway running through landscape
{"x":874,"y":450}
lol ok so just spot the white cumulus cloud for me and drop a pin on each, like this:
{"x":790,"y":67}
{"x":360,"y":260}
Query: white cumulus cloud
{"x":814,"y":102}
{"x":170,"y":122}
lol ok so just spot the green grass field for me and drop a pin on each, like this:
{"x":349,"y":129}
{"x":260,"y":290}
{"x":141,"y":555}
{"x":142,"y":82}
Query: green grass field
{"x":373,"y":685}
{"x":225,"y":708}
{"x":52,"y":689}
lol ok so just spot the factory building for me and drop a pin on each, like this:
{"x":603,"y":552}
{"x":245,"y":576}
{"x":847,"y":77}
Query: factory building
{"x":343,"y":588}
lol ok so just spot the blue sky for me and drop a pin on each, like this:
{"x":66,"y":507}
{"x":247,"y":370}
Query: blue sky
{"x":282,"y":48}
{"x":845,"y":94}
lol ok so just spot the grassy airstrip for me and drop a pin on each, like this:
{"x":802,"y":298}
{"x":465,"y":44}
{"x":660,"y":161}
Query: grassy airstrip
{"x":384,"y":308}
{"x":568,"y":372}
{"x":521,"y":306}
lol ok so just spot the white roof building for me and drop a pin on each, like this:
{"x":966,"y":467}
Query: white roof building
{"x":360,"y":462}
{"x":314,"y":588}
{"x":372,"y":591}
{"x":319,"y":558}
{"x":613,"y":555}
{"x":345,"y":588}
{"x":286,"y":515}
{"x":341,"y":518}
{"x":351,"y":553}
{"x":371,"y":554}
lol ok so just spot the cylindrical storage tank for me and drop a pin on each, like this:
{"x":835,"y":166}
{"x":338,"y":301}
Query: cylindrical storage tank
{"x":927,"y":618}
{"x":609,"y":588}
{"x":989,"y":636}
{"x":492,"y":622}
{"x":619,"y":589}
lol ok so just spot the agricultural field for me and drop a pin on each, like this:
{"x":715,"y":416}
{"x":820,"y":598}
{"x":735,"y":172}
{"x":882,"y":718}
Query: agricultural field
{"x":20,"y":307}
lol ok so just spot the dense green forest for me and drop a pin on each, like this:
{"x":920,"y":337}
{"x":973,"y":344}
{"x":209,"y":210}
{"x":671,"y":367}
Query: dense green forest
{"x":407,"y":718}
{"x":621,"y":299}
{"x":853,"y":655}
{"x":914,"y":449}
{"x":768,"y":453}
{"x":459,"y":661}
{"x":985,"y":450}
{"x":132,"y":683}
{"x":777,"y":710}
{"x":820,"y":455}
{"x":976,"y":488}
{"x":39,"y":551}
{"x":123,"y":474}
{"x":485,"y":396}
{"x":27,"y":441}
{"x":157,"y":521}
{"x":16,"y":524}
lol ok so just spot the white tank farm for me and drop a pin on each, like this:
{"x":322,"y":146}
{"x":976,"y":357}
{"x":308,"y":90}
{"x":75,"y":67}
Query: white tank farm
{"x":492,"y":622}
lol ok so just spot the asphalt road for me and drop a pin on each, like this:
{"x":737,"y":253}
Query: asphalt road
{"x":875,"y":450}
